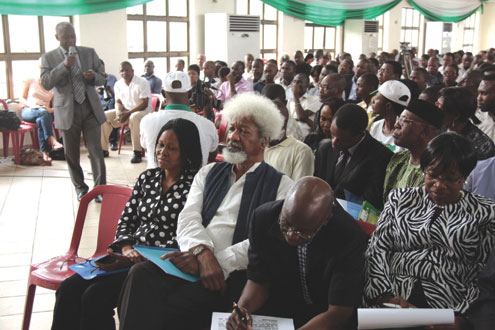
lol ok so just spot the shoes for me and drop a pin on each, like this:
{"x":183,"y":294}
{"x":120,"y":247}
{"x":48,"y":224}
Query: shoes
{"x":81,"y":194}
{"x":98,"y":199}
{"x":137,"y":157}
{"x":105,"y":154}
{"x":114,"y":146}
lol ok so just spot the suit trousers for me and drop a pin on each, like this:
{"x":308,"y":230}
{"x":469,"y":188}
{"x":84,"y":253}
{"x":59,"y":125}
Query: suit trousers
{"x":112,"y":122}
{"x":153,"y":300}
{"x":84,"y":121}
{"x":87,"y":304}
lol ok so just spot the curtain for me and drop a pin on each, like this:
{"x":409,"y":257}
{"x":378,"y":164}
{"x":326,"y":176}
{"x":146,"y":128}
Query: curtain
{"x":447,"y":10}
{"x":63,"y":7}
{"x":333,"y":12}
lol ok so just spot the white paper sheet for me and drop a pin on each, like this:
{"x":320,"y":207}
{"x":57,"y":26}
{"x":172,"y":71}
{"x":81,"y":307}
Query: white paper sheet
{"x":219,"y":320}
{"x":385,"y":318}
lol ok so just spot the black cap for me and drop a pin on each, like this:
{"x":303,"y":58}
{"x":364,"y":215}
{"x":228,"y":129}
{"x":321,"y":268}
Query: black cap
{"x":426,"y":111}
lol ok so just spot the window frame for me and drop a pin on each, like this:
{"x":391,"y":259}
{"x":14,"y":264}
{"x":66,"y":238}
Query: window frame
{"x":8,"y":56}
{"x":469,"y":25}
{"x":264,"y":22}
{"x":145,"y":18}
{"x":405,"y":28}
{"x":325,"y":48}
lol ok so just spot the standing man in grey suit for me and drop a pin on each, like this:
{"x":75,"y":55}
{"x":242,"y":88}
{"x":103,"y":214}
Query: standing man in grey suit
{"x":73,"y":72}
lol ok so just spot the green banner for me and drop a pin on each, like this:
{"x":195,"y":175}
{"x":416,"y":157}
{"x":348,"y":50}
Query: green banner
{"x":63,"y":7}
{"x":319,"y":13}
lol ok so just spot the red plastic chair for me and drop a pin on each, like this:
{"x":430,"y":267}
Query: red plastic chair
{"x":155,"y":104}
{"x":17,"y":137}
{"x":49,"y":274}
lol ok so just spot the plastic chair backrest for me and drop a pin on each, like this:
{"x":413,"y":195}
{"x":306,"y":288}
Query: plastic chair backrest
{"x":4,"y":105}
{"x":155,"y":102}
{"x":113,"y":203}
{"x":222,"y":128}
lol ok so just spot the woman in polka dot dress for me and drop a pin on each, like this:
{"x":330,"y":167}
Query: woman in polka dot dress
{"x":149,"y":218}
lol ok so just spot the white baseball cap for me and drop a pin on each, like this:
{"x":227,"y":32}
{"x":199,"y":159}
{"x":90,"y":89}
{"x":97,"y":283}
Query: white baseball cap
{"x":177,"y":82}
{"x":396,"y":92}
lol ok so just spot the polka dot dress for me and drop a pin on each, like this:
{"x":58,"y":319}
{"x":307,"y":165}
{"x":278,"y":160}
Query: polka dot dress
{"x":150,"y":216}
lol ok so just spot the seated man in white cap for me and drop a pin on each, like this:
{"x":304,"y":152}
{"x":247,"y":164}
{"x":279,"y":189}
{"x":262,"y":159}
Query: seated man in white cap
{"x":176,"y":85}
{"x":392,"y":98}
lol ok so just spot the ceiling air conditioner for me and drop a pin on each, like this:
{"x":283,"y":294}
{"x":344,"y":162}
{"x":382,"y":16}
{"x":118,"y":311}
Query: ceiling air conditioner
{"x":233,"y":36}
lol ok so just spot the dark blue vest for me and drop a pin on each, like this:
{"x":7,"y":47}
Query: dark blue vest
{"x":261,"y":186}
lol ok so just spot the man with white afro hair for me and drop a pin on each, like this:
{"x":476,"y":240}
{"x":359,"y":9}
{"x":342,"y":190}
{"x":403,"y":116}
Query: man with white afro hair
{"x":261,"y":109}
{"x":212,"y":229}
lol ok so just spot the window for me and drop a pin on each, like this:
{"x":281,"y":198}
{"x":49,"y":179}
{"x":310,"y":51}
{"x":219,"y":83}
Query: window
{"x":21,"y":49}
{"x":411,"y":20}
{"x":268,"y":25}
{"x":320,"y":37}
{"x":469,"y":31}
{"x":380,"y":20}
{"x":158,"y":30}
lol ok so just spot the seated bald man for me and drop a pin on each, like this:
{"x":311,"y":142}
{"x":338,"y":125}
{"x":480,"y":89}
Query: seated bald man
{"x":305,"y":261}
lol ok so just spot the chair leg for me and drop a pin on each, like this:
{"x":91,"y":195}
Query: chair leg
{"x":6,"y":138}
{"x":34,"y":138}
{"x":22,"y":140}
{"x":28,"y":307}
{"x":121,"y":137}
{"x":17,"y":149}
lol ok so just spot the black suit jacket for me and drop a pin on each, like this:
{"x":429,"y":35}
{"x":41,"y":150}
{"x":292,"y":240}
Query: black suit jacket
{"x":364,"y":173}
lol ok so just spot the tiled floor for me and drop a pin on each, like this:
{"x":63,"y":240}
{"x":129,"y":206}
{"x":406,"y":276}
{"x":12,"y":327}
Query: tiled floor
{"x":37,"y":213}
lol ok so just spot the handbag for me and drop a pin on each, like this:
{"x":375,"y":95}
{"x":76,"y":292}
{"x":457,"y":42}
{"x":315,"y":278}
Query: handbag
{"x":112,"y":262}
{"x":9,"y":121}
{"x":30,"y":156}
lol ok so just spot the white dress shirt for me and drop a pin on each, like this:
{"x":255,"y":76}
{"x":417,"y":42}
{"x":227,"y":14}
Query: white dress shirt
{"x":219,"y":233}
{"x":152,"y":123}
{"x":129,"y":95}
{"x":301,"y":130}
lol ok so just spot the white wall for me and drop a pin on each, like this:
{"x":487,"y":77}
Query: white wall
{"x":107,"y":34}
{"x":290,"y":35}
{"x":486,"y":32}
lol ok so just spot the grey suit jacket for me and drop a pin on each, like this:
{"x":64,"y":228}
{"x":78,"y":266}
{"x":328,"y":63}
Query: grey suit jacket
{"x":54,"y":75}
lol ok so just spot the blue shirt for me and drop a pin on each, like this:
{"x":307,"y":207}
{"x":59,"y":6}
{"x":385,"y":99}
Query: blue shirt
{"x":481,"y":181}
{"x":155,"y":83}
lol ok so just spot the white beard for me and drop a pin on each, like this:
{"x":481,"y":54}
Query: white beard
{"x":234,"y":157}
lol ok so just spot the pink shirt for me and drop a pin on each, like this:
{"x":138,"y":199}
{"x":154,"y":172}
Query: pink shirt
{"x":241,"y":87}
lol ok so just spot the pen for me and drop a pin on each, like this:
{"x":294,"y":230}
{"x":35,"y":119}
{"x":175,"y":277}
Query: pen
{"x":391,"y":305}
{"x":241,"y":315}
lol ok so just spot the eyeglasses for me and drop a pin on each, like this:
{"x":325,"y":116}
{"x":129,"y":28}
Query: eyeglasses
{"x":402,"y":121}
{"x":303,"y":236}
{"x":445,"y":180}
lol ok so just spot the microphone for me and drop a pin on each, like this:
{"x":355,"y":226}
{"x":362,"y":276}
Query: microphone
{"x":72,"y":51}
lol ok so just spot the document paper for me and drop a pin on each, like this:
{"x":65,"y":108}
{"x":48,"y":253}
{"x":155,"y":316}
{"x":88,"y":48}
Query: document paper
{"x":385,"y":318}
{"x":219,"y":321}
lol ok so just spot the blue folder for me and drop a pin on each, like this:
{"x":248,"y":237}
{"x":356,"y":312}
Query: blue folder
{"x":153,"y":254}
{"x":88,"y":269}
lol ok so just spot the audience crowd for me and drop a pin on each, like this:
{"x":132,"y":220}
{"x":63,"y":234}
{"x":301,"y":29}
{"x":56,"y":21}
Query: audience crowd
{"x":260,"y":217}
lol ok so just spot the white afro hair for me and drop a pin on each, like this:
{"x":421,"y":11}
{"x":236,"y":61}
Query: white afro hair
{"x":263,"y":111}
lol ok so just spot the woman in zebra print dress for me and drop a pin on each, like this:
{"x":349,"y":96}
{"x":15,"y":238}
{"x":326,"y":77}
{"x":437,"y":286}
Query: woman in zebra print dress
{"x":431,"y":242}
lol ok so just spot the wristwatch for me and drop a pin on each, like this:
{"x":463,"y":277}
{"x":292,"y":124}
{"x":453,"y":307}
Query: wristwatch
{"x":197,"y":250}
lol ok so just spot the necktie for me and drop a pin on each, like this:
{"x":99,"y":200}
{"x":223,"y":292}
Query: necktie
{"x":303,"y":261}
{"x":78,"y":88}
{"x":340,"y":166}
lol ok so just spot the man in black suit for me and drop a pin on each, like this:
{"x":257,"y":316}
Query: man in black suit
{"x":305,"y":261}
{"x":353,"y":160}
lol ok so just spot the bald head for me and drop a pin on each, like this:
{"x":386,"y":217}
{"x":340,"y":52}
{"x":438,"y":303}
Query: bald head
{"x":307,"y":207}
{"x":65,"y":34}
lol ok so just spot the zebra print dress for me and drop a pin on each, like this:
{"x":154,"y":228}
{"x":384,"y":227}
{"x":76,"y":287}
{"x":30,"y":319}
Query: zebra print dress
{"x":446,"y":254}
